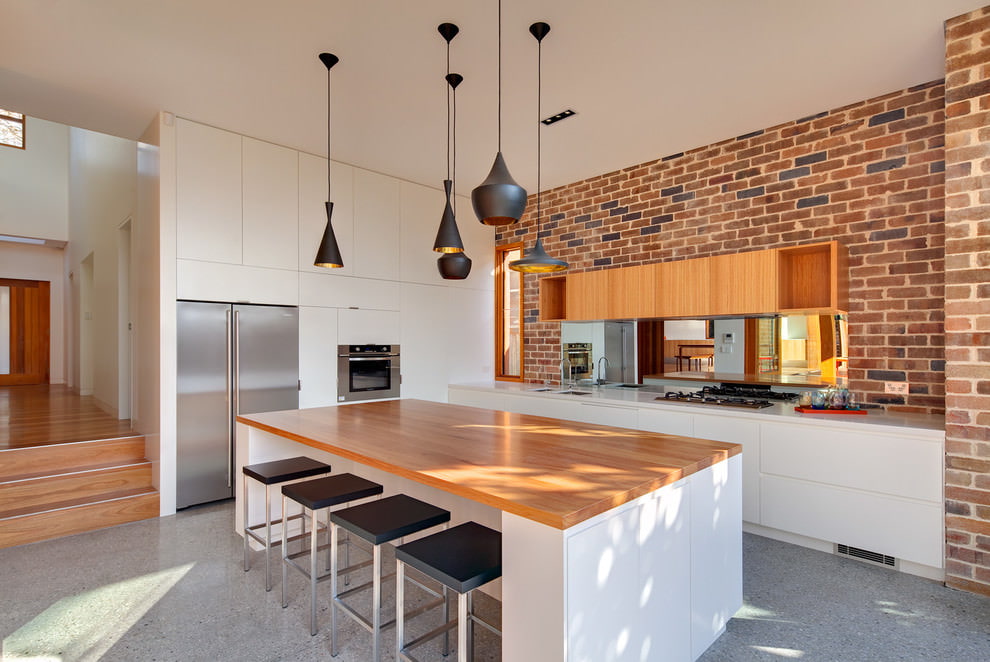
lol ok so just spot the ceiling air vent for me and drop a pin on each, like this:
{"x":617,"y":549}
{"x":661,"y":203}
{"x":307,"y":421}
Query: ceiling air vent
{"x":866,"y":555}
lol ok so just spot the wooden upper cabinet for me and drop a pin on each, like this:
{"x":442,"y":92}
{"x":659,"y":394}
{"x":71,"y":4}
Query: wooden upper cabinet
{"x":682,"y":288}
{"x":553,"y":298}
{"x":743,"y":283}
{"x":632,"y":292}
{"x":586,"y":296}
{"x":814,"y":278}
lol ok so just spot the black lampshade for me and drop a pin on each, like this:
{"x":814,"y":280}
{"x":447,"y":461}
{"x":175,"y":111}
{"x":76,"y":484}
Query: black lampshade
{"x":537,"y":261}
{"x":454,"y":266}
{"x":328,"y":254}
{"x":499,"y":200}
{"x":448,"y":236}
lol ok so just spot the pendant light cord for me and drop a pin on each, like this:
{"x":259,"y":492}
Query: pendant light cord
{"x":539,"y":129}
{"x":329,"y":164}
{"x":453,"y":191}
{"x":499,"y":75}
{"x":447,"y":85}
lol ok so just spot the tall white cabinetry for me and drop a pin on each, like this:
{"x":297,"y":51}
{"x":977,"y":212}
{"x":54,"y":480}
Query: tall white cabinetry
{"x":270,"y":195}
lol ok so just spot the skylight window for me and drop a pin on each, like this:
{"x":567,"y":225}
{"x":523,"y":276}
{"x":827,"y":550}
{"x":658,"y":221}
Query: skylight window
{"x":11,"y":128}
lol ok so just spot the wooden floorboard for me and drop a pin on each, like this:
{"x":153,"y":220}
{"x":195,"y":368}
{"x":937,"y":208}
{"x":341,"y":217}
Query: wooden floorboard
{"x":41,"y":415}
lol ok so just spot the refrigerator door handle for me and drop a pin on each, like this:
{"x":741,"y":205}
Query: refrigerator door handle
{"x":232,"y":331}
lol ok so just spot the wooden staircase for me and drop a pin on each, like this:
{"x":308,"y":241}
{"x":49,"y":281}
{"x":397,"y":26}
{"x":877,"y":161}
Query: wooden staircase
{"x":62,"y":489}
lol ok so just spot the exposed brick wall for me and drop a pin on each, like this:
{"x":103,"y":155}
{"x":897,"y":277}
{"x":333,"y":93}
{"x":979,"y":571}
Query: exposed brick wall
{"x":967,"y":301}
{"x":870,"y":175}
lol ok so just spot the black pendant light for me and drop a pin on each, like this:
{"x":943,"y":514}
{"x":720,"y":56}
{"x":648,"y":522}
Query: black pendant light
{"x":328,"y":254}
{"x":537,"y":260}
{"x":499,"y":200}
{"x":448,"y":236}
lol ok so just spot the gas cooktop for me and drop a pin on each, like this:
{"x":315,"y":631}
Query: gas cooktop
{"x":729,"y":395}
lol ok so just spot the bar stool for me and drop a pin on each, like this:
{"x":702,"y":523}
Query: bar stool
{"x":315,"y":495}
{"x":268,"y":474}
{"x":377,"y":522}
{"x":462,"y":558}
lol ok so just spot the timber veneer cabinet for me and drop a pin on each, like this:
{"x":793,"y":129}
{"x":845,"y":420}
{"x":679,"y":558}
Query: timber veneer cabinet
{"x":812,"y":278}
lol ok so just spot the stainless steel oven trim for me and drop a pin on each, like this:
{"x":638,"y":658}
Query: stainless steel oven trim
{"x":345,"y":359}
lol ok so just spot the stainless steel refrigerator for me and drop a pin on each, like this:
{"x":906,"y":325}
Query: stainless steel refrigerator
{"x":232,"y":359}
{"x":620,"y":348}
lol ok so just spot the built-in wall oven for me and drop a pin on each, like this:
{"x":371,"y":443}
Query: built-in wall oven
{"x":367,"y":372}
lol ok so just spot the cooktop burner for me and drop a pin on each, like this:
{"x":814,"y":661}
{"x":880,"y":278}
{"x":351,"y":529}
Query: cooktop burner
{"x":703,"y":398}
{"x":754,"y":391}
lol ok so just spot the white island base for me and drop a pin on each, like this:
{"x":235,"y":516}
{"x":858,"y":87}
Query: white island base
{"x":656,"y":578}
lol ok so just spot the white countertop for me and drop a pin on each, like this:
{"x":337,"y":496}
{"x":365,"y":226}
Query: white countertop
{"x":645,"y":397}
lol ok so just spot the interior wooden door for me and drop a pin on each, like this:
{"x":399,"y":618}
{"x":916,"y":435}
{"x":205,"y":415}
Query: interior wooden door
{"x":29,"y":332}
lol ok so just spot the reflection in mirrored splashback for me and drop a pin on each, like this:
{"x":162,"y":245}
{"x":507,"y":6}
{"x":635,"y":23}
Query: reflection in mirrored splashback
{"x":4,"y":330}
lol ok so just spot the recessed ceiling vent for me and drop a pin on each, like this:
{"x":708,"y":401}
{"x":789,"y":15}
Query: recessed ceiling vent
{"x":866,"y":555}
{"x":562,"y":115}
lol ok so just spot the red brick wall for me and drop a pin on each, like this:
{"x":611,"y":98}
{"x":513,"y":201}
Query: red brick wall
{"x":967,"y":302}
{"x":870,"y":175}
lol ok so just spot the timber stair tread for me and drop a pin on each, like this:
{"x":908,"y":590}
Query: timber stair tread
{"x":54,"y":490}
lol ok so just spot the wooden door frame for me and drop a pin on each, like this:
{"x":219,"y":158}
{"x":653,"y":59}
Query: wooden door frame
{"x":30,"y":332}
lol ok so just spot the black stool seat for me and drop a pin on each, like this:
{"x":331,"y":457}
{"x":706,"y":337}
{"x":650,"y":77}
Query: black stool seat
{"x":463,"y":557}
{"x":329,"y":491}
{"x":280,"y":471}
{"x":389,"y":518}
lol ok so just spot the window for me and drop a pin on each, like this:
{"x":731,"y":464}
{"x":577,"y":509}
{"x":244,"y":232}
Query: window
{"x":508,"y":315}
{"x":11,"y":128}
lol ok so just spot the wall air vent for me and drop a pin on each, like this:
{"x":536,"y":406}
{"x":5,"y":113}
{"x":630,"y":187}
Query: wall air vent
{"x":866,"y":555}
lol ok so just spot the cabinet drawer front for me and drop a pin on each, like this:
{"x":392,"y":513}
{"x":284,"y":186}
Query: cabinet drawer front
{"x":902,"y":528}
{"x":875,"y":462}
{"x":738,"y":431}
{"x":666,"y":421}
{"x":212,"y":281}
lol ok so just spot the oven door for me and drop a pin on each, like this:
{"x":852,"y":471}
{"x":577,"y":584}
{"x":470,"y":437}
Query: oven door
{"x":367,"y":377}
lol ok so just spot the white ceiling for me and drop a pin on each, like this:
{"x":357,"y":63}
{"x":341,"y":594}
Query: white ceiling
{"x":647,"y":78}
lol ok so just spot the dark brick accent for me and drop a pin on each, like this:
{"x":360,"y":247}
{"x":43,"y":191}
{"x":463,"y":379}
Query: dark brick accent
{"x":636,"y":215}
{"x":671,"y":190}
{"x":603,"y":261}
{"x":663,"y":218}
{"x":673,"y":156}
{"x":618,"y":211}
{"x":938,"y":166}
{"x":520,"y":232}
{"x":751,"y":134}
{"x":683,"y":197}
{"x":889,"y":116}
{"x":557,"y":217}
{"x":583,"y":218}
{"x":750,"y":193}
{"x":611,"y":236}
{"x":808,"y":159}
{"x":886,"y":375}
{"x":889,"y":164}
{"x":593,"y":224}
{"x":813,"y":201}
{"x":937,"y":365}
{"x":611,"y":204}
{"x":650,"y":229}
{"x":575,"y":242}
{"x":794,"y":173}
{"x":567,"y":236}
{"x":883,"y":235}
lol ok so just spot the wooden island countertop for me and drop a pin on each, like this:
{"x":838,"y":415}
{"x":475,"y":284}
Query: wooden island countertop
{"x":558,"y":473}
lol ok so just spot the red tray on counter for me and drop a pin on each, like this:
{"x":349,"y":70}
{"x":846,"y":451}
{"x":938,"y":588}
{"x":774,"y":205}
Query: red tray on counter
{"x":809,"y":410}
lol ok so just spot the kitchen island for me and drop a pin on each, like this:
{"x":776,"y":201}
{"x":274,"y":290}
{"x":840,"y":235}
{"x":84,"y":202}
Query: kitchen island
{"x":617,"y":543}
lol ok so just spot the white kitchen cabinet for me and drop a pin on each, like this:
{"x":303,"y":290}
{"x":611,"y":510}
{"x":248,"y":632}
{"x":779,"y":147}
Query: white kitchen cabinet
{"x":421,"y":208}
{"x":480,"y":399}
{"x":600,"y":413}
{"x":376,"y":225}
{"x":330,"y":291}
{"x":666,"y":421}
{"x":361,"y":327}
{"x":270,"y":202}
{"x":208,"y":193}
{"x":313,"y":215}
{"x":903,"y":528}
{"x":479,"y":244}
{"x":213,"y":281}
{"x":859,"y":460}
{"x":425,"y":341}
{"x":317,"y":357}
{"x":738,"y":431}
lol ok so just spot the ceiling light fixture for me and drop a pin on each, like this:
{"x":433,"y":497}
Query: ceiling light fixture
{"x":562,"y":115}
{"x":499,"y":200}
{"x":537,"y":260}
{"x":328,"y":255}
{"x":453,"y":264}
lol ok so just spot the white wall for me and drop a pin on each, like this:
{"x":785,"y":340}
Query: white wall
{"x":102,"y":196}
{"x":42,"y":263}
{"x":34,"y":183}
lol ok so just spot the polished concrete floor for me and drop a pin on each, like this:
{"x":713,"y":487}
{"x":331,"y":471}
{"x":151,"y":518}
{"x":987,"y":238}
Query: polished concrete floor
{"x":174,"y":589}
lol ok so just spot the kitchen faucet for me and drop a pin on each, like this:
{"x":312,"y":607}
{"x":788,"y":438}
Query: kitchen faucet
{"x":601,"y":373}
{"x":569,"y":374}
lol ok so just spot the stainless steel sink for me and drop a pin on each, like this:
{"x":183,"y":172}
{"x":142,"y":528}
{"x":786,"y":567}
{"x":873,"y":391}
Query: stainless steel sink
{"x":573,"y":392}
{"x":632,"y":385}
{"x":540,"y":390}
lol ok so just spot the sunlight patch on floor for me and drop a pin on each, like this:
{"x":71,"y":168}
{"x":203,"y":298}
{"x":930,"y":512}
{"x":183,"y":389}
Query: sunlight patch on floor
{"x":787,"y":653}
{"x":83,"y":627}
